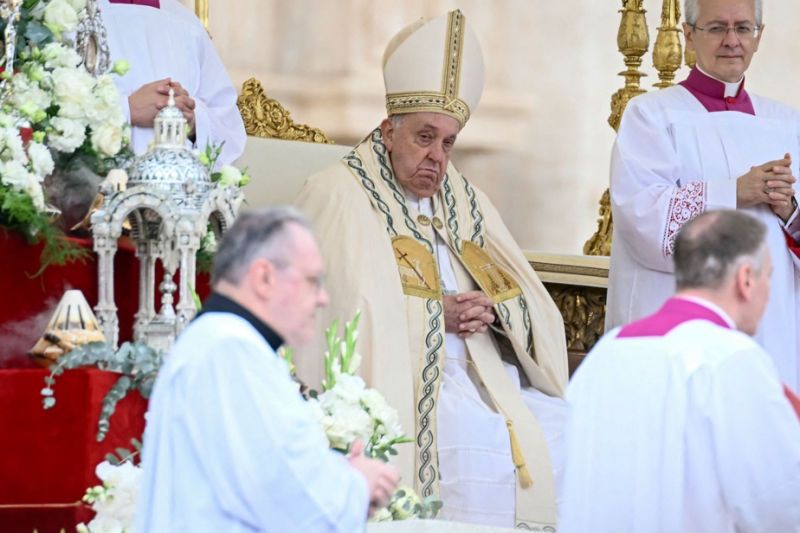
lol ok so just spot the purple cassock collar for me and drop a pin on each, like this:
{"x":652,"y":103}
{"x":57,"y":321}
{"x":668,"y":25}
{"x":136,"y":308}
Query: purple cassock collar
{"x":152,"y":3}
{"x":672,"y":314}
{"x":711,"y":93}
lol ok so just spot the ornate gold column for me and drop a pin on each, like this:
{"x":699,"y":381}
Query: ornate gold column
{"x":667,"y":56}
{"x":633,"y":39}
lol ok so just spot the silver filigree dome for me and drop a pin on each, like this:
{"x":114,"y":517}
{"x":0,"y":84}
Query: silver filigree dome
{"x":169,"y":165}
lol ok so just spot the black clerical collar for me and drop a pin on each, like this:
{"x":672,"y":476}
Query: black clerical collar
{"x":217,"y":303}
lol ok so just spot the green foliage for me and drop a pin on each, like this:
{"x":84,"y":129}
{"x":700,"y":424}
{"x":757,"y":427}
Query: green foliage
{"x":405,"y":504}
{"x":30,"y":32}
{"x":209,"y":158}
{"x":125,"y":454}
{"x":137,"y":363}
{"x":18,"y":213}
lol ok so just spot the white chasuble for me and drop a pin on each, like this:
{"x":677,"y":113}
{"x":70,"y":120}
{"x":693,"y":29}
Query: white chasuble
{"x":170,"y":42}
{"x":386,"y":256}
{"x":672,"y":160}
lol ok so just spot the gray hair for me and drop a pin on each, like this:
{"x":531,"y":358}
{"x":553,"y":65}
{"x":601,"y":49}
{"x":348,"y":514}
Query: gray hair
{"x":691,"y":11}
{"x":258,"y":234}
{"x":712,"y":246}
{"x":397,"y":120}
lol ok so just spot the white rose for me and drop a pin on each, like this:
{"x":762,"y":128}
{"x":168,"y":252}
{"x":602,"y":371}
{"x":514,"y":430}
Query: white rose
{"x":11,"y":146}
{"x":14,"y":174}
{"x":73,"y":91}
{"x":56,"y":55}
{"x":60,"y":17}
{"x":107,"y":139}
{"x":41,"y":159}
{"x":385,"y":414}
{"x":230,"y":176}
{"x":27,"y":96}
{"x":349,"y":388}
{"x":350,"y":422}
{"x":104,"y":108}
{"x":69,"y":134}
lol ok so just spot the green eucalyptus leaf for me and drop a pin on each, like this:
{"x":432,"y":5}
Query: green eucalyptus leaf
{"x":37,"y":33}
{"x":111,"y":458}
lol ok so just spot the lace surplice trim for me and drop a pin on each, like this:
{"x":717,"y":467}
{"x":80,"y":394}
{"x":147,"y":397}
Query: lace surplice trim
{"x":687,"y":202}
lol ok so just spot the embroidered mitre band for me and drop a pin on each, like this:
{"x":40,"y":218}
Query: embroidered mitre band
{"x":434,"y":66}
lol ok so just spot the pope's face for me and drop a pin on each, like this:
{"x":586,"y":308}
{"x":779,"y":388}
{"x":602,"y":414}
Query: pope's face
{"x":725,"y":57}
{"x":419,"y":148}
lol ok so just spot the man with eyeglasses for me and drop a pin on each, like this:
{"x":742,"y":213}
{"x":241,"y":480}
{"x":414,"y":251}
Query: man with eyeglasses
{"x":706,"y":144}
{"x":230,"y":444}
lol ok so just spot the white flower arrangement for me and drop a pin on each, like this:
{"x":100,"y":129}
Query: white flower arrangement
{"x":114,"y":502}
{"x":52,"y":113}
{"x":349,"y":411}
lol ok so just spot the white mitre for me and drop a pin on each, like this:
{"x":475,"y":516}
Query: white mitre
{"x":434,"y":66}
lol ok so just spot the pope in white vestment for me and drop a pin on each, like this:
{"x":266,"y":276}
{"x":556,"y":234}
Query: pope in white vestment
{"x":678,"y":153}
{"x":679,"y":424}
{"x":230,"y":444}
{"x":170,"y":42}
{"x":486,"y":411}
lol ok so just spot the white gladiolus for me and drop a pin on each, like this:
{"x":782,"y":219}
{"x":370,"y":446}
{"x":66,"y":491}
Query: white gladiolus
{"x":60,"y":17}
{"x":41,"y":159}
{"x":107,"y":139}
{"x":56,"y":55}
{"x":69,"y":134}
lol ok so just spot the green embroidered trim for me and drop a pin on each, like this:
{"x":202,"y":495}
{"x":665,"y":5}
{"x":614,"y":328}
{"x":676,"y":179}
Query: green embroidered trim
{"x":526,"y":322}
{"x":477,"y":216}
{"x":388,"y":177}
{"x":505,"y":315}
{"x":354,"y":162}
{"x":428,"y":468}
{"x":452,"y":218}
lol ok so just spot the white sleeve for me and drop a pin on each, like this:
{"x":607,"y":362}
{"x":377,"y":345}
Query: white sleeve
{"x":650,"y":198}
{"x":262,"y":448}
{"x":217,"y":118}
{"x":756,"y":443}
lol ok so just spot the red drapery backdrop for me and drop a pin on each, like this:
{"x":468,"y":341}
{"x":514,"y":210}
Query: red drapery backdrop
{"x":47,"y":458}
